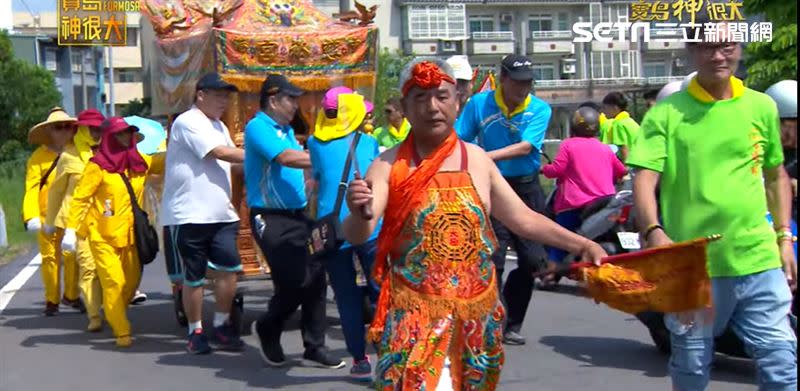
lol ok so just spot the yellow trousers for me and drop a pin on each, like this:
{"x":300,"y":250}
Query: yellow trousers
{"x":88,"y":281}
{"x":50,"y":248}
{"x":119,"y":272}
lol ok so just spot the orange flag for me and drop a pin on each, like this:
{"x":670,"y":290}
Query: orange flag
{"x":665,"y":279}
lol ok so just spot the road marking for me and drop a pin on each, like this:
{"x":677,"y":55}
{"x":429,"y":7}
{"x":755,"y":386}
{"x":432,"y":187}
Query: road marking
{"x":8,"y":291}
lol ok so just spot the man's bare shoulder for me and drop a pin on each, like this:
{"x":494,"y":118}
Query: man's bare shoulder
{"x":382,"y":165}
{"x":477,"y":156}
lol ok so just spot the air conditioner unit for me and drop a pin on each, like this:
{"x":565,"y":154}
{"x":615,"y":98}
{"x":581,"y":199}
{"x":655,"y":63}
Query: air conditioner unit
{"x":568,"y":66}
{"x":449,"y":46}
{"x":506,"y":18}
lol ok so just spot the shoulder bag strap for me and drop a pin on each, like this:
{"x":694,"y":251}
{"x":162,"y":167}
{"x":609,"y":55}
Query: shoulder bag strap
{"x":337,"y":207}
{"x":134,"y":203}
{"x":48,"y":172}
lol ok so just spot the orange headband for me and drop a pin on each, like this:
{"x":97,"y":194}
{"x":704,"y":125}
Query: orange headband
{"x":426,"y":75}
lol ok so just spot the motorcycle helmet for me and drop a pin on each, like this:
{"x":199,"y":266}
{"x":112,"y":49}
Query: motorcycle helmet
{"x":784,"y":93}
{"x":668,"y":89}
{"x":585,"y":122}
{"x":687,"y":80}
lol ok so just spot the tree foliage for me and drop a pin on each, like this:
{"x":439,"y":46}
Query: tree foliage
{"x":770,"y":62}
{"x":390,"y":64}
{"x":140,"y":107}
{"x":27,"y":94}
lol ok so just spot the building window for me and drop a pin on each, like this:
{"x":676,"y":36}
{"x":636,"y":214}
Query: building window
{"x":540,"y":22}
{"x":132,"y":37}
{"x":563,"y":22}
{"x":51,"y":59}
{"x":481,"y":24}
{"x":437,"y":22}
{"x":655,"y":69}
{"x":77,"y":61}
{"x":544,"y":71}
{"x":127,"y":75}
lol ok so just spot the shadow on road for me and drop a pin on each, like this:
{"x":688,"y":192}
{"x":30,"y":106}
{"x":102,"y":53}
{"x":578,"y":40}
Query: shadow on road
{"x":617,"y":353}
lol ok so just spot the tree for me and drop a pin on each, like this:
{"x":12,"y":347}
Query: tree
{"x":139,"y":107}
{"x":770,"y":62}
{"x":390,"y":64}
{"x":28,"y":93}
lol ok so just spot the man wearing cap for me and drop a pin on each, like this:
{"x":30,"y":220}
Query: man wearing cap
{"x":52,"y":136}
{"x":510,"y":124}
{"x":463,"y":74}
{"x":276,"y":196}
{"x":197,"y":213}
{"x":68,"y":173}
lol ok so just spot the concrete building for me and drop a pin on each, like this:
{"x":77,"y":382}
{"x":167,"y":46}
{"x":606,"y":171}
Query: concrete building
{"x":567,"y":73}
{"x":82,"y":72}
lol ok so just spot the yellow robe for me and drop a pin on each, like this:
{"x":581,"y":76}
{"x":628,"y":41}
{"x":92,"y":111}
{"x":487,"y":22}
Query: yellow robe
{"x":102,"y":201}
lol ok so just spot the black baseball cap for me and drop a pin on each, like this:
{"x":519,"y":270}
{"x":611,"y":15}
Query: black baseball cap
{"x":517,"y":67}
{"x":276,"y":83}
{"x":213,"y":81}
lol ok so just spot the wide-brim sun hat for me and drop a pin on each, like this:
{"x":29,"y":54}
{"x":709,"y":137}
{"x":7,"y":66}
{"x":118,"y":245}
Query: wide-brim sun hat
{"x":39,"y":133}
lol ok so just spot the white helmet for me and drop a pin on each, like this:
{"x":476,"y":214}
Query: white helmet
{"x":687,"y":80}
{"x":668,"y":89}
{"x":784,"y":93}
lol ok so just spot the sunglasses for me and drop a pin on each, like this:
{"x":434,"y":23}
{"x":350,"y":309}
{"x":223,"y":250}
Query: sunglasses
{"x":62,"y":127}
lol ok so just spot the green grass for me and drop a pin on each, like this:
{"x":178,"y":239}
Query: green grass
{"x":12,"y":189}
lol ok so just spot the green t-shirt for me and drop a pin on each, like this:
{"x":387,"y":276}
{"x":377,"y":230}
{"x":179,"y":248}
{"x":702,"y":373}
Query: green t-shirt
{"x":388,"y":136}
{"x":623,"y":131}
{"x":605,"y":127}
{"x":710,"y":155}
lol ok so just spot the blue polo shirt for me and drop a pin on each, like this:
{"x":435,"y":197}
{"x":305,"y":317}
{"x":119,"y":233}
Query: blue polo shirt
{"x":327,"y":164}
{"x":483,"y":119}
{"x":268,"y":183}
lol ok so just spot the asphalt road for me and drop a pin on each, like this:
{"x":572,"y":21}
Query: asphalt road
{"x":573,"y":344}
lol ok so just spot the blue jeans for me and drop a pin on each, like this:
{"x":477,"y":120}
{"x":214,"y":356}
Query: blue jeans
{"x":757,"y":308}
{"x":350,"y":296}
{"x":571,"y":220}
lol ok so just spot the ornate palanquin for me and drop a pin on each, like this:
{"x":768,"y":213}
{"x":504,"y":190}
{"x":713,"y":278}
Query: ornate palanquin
{"x":244,"y":40}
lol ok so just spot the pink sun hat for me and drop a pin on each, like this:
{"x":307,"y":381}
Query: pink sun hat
{"x":331,"y":99}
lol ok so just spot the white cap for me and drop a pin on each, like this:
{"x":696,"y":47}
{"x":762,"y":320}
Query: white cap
{"x":784,"y":93}
{"x":461,"y":68}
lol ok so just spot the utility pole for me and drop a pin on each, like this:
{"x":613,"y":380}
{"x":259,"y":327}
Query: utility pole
{"x":84,"y":90}
{"x":344,"y":6}
{"x":110,"y":81}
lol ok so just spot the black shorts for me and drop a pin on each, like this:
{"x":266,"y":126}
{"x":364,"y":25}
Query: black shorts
{"x":172,"y":258}
{"x":202,"y":246}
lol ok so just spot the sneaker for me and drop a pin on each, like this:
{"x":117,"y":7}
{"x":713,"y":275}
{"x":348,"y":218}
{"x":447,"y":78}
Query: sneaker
{"x":226,"y":337}
{"x":361,"y":370}
{"x":198,"y":343}
{"x":269,"y":347}
{"x":513,"y":338}
{"x":321,"y":358}
{"x":139,"y":298}
{"x":50,"y":309}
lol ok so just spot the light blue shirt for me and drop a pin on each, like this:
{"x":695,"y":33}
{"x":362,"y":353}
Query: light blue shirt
{"x":483,"y":119}
{"x":269,"y":184}
{"x":327,"y":164}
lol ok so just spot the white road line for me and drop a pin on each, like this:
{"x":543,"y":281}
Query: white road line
{"x":8,"y":291}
